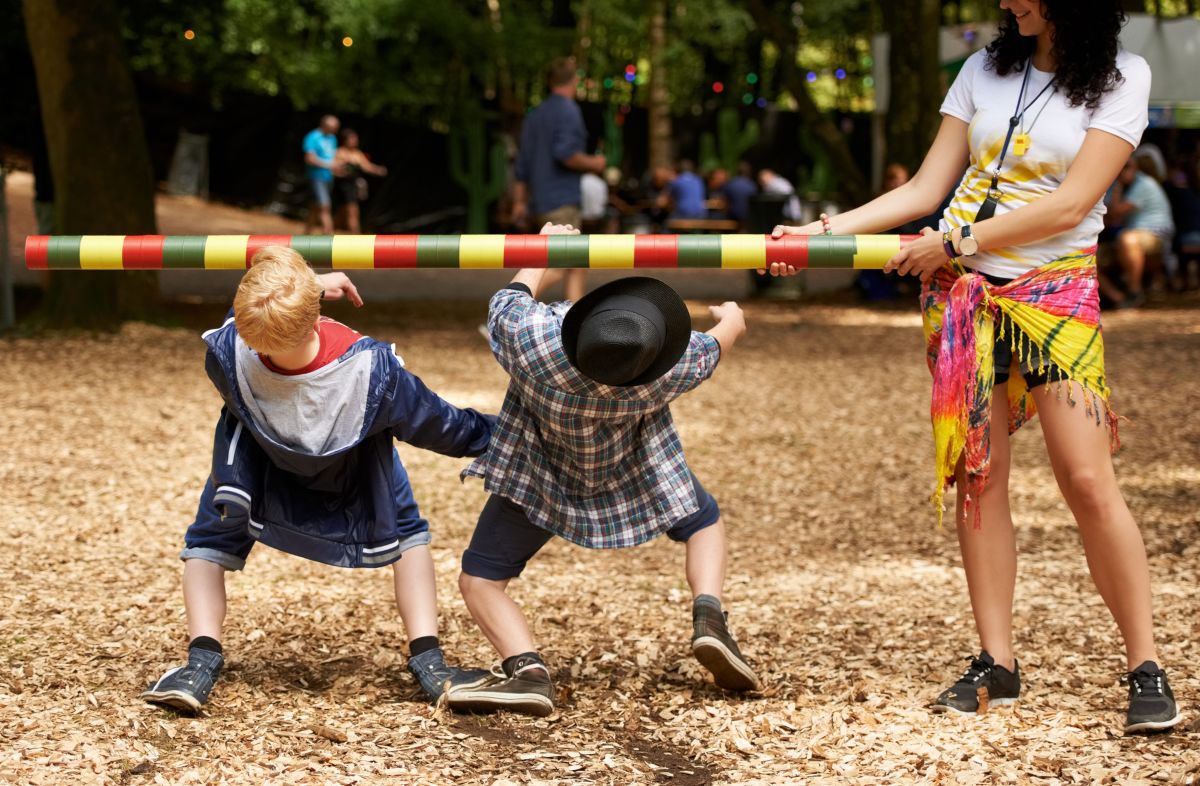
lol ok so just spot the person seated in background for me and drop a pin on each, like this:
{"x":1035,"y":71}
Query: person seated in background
{"x":1139,"y":205}
{"x":1183,"y":192}
{"x":737,"y":191}
{"x":774,"y":183}
{"x":686,"y":193}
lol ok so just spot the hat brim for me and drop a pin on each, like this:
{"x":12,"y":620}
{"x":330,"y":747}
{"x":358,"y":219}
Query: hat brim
{"x":676,"y":319}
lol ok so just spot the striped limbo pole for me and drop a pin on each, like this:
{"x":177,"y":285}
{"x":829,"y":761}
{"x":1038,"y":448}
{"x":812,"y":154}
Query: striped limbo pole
{"x":349,"y":252}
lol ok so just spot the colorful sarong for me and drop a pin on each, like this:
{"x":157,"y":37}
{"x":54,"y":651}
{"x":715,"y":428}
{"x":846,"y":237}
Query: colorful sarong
{"x":1051,"y":313}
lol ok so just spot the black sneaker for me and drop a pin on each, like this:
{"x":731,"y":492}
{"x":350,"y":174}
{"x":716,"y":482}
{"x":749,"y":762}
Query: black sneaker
{"x":435,"y":676}
{"x":186,"y":688}
{"x":524,"y":686}
{"x":1003,"y":687}
{"x":1151,"y":703}
{"x":717,"y":651}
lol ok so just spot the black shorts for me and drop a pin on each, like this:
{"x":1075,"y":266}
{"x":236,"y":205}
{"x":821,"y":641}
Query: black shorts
{"x":1002,"y":353}
{"x":505,"y":539}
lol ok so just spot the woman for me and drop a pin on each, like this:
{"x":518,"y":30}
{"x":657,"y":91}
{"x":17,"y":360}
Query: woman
{"x":1043,"y":121}
{"x":350,"y":185}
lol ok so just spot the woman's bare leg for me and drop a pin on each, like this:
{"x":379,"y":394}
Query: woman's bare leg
{"x":990,"y":553}
{"x":1116,"y":555}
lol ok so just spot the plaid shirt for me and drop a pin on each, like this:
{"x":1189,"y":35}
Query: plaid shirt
{"x":598,"y":465}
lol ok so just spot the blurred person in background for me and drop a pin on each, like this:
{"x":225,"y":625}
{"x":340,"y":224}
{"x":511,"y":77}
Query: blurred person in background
{"x":350,"y":190}
{"x":320,"y":151}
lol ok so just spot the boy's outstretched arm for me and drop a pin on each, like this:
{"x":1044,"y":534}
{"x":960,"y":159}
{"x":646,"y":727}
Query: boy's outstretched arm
{"x":534,"y":278}
{"x":731,"y":324}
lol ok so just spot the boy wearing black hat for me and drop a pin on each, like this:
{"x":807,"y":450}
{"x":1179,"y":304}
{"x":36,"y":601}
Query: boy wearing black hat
{"x":585,"y":449}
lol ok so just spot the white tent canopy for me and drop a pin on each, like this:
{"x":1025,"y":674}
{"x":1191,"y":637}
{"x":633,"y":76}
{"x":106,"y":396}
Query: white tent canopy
{"x":1170,"y":46}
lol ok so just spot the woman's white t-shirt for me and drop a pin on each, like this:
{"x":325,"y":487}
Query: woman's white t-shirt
{"x":985,"y":101}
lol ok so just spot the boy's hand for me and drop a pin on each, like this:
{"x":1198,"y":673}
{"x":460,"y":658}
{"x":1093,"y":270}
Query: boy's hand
{"x":728,"y":310}
{"x":558,"y":229}
{"x":338,"y":286}
{"x":731,"y":324}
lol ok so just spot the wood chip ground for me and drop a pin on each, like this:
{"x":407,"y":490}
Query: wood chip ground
{"x":814,"y":438}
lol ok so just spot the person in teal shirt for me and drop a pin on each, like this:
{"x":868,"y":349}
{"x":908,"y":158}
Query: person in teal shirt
{"x":320,"y":148}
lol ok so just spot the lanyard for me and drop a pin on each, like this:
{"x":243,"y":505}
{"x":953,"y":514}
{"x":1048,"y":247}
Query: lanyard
{"x":988,"y":208}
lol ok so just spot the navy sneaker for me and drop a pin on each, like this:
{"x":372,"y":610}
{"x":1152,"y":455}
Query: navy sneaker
{"x":717,"y":651}
{"x":186,"y":688}
{"x":1151,"y":703}
{"x":1003,"y":687}
{"x":524,"y":686}
{"x":434,"y":675}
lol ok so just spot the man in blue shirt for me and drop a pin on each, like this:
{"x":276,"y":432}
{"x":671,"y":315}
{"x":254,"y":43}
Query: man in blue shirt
{"x":687,"y":193}
{"x":552,"y":159}
{"x":737,"y":193}
{"x":320,"y":148}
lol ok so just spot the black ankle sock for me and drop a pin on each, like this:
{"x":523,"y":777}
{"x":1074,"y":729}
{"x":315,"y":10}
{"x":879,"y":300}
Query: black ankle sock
{"x":422,"y":644}
{"x":510,"y":664}
{"x":206,"y":643}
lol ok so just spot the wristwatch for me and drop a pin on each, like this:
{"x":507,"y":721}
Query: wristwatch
{"x":968,"y":246}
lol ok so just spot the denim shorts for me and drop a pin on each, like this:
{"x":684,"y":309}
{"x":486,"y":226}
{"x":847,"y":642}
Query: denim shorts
{"x":227,"y":541}
{"x":505,"y":539}
{"x":321,"y":191}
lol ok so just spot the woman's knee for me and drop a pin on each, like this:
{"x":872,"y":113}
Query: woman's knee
{"x":1088,"y":491}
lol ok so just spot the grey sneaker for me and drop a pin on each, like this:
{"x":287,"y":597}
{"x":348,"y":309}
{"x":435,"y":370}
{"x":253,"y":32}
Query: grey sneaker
{"x":717,"y":651}
{"x":1003,"y":687}
{"x":434,"y":675}
{"x":1151,"y":703}
{"x":526,"y":688}
{"x":186,"y":688}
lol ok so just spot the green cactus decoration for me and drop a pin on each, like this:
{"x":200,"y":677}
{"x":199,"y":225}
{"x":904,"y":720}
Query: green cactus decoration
{"x":481,"y":173}
{"x":819,"y":181}
{"x":613,"y":138}
{"x":731,"y":142}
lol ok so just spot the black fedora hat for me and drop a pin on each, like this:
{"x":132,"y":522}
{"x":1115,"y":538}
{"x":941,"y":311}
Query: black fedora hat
{"x":627,"y":332}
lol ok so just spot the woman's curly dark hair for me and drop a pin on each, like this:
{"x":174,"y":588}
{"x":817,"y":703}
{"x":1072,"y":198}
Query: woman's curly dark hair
{"x":1085,"y":47}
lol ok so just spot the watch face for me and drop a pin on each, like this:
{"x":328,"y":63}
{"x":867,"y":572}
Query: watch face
{"x":968,"y":246}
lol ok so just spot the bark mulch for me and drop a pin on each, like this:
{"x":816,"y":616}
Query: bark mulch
{"x":813,"y":436}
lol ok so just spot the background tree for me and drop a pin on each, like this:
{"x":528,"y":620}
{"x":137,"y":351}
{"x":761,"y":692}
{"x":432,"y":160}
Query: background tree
{"x":103,"y":181}
{"x":914,"y":76}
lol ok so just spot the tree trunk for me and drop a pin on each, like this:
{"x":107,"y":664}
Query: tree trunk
{"x":912,"y":115}
{"x":103,"y":181}
{"x":658,"y":108}
{"x":851,"y":181}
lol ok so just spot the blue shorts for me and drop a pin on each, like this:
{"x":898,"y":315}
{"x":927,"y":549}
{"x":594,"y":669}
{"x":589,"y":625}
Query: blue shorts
{"x":321,"y":191}
{"x":505,"y":539}
{"x":227,"y":541}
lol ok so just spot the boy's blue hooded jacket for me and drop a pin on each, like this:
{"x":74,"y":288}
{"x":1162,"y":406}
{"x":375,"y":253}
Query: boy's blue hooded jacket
{"x":308,"y":459}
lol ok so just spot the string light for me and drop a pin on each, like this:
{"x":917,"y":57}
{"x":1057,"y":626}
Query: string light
{"x":752,"y":78}
{"x":718,"y":87}
{"x":748,"y":99}
{"x":840,"y":73}
{"x":811,"y":76}
{"x":761,"y":103}
{"x":347,"y":41}
{"x":189,"y":34}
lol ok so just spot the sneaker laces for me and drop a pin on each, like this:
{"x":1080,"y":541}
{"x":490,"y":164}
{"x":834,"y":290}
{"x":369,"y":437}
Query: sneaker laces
{"x":978,"y":669}
{"x":1146,"y":683}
